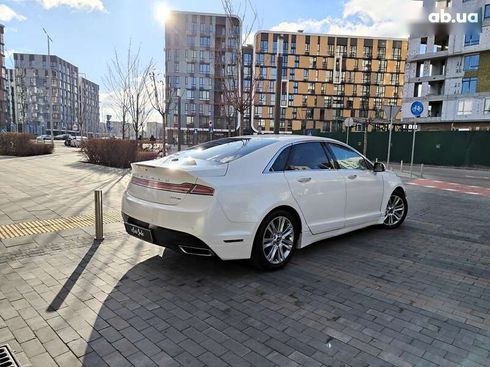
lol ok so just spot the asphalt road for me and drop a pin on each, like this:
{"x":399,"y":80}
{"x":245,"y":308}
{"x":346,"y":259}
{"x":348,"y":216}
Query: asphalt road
{"x":464,"y":176}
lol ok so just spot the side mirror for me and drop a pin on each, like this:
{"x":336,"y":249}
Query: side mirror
{"x":379,"y":167}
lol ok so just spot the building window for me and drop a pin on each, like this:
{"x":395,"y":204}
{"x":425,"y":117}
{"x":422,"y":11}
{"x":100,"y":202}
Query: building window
{"x":353,"y":51}
{"x":471,"y":62}
{"x":487,"y":106}
{"x":471,"y":38}
{"x":295,"y":87}
{"x":397,"y":53}
{"x":487,"y":11}
{"x":465,"y":107}
{"x":204,"y":95}
{"x":260,"y":59}
{"x":205,"y":41}
{"x":469,"y":85}
{"x":264,"y":46}
{"x":204,"y":68}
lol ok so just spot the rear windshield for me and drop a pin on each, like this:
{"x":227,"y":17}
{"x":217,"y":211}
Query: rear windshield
{"x":222,"y":150}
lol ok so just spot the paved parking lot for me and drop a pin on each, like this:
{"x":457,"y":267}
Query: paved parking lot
{"x":419,"y":295}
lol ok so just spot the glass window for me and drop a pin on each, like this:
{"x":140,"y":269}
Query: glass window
{"x":220,"y":151}
{"x":487,"y":11}
{"x":471,"y":62}
{"x":486,"y":109}
{"x":469,"y":85}
{"x":465,"y":107}
{"x":307,"y":156}
{"x":348,"y":159}
{"x":472,"y":38}
{"x":281,"y":160}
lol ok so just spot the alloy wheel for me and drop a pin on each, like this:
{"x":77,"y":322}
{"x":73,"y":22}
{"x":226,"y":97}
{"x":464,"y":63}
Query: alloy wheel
{"x":395,"y":210}
{"x":278,"y":240}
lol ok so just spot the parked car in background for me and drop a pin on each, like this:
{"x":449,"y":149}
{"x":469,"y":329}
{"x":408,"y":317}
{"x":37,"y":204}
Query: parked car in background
{"x":77,"y":140}
{"x":43,"y":137}
{"x":62,"y":137}
{"x":259,"y":197}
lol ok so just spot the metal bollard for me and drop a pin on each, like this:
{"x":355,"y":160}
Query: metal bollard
{"x":421,"y":170}
{"x":401,"y":166}
{"x":99,"y":216}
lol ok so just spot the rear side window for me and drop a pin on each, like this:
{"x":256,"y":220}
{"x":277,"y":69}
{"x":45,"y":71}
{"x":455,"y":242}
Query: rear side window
{"x":281,"y":160}
{"x":307,"y":156}
{"x":222,"y":151}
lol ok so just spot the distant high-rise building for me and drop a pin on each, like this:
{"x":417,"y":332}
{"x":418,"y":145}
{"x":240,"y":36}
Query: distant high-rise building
{"x":88,"y":118}
{"x":326,"y":79}
{"x":4,"y":115}
{"x":32,"y":93}
{"x":73,"y":99}
{"x":201,"y":50}
{"x":448,"y":69}
{"x":247,"y":80}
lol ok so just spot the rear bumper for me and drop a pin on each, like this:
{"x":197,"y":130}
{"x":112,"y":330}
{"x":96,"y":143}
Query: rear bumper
{"x":174,"y":240}
{"x":181,"y":227}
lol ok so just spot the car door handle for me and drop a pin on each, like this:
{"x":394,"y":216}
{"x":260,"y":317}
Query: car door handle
{"x":352,"y":177}
{"x":304,"y":179}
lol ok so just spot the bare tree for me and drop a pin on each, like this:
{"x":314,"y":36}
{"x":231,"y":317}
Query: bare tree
{"x":21,"y":98}
{"x":116,"y":81}
{"x":234,"y":93}
{"x":161,"y":98}
{"x":139,"y":99}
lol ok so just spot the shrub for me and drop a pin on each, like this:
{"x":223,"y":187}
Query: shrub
{"x":21,"y":145}
{"x":114,"y":152}
{"x":146,"y":156}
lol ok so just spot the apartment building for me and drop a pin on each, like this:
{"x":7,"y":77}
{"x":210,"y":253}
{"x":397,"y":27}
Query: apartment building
{"x":5,"y":121}
{"x":201,"y":51}
{"x":326,"y":79}
{"x":88,"y":94}
{"x":32,"y":93}
{"x":74,"y":99}
{"x":247,"y":88}
{"x":448,"y":69}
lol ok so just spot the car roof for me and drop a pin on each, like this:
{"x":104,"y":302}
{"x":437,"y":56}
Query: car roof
{"x":288,"y":138}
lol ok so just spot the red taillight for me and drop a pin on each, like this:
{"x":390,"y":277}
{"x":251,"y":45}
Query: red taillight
{"x":202,"y":190}
{"x":184,"y":188}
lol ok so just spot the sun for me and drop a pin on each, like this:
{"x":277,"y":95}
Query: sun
{"x":162,"y":13}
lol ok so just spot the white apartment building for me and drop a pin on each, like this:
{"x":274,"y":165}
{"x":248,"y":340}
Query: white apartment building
{"x":448,"y":69}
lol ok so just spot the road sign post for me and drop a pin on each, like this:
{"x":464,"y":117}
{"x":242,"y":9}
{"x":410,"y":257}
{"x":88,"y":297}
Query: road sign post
{"x":348,"y":123}
{"x":416,"y":108}
{"x":390,"y":112}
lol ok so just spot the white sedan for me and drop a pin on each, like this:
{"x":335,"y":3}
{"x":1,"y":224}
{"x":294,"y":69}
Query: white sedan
{"x":259,"y":197}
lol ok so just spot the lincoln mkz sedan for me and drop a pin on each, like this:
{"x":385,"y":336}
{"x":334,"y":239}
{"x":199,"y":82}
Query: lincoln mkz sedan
{"x":259,"y":197}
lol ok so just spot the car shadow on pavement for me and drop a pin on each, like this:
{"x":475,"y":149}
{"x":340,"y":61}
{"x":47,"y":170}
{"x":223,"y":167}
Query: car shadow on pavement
{"x":177,"y":309}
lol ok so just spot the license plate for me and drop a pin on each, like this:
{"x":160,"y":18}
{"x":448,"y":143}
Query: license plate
{"x":139,"y":232}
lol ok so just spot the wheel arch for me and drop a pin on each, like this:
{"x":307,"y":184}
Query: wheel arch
{"x":401,"y":190}
{"x":293,"y":212}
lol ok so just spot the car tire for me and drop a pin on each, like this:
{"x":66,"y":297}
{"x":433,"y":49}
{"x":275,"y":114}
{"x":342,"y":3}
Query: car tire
{"x":275,"y":240}
{"x":396,"y":210}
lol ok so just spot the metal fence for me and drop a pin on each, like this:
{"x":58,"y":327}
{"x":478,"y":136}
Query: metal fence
{"x":446,"y":148}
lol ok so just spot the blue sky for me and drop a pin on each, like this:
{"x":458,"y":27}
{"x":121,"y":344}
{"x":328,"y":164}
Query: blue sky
{"x":86,"y":32}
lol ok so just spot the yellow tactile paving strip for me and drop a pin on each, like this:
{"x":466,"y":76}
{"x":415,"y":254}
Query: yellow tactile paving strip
{"x":54,"y":225}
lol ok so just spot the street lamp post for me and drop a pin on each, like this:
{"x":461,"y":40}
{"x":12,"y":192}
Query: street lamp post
{"x":49,"y":86}
{"x":179,"y":121}
{"x":277,"y":105}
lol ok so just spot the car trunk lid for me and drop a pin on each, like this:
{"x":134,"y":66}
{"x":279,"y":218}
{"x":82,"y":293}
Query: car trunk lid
{"x":168,"y":182}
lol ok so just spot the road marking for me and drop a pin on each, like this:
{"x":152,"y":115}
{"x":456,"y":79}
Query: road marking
{"x":451,"y":186}
{"x":22,"y":229}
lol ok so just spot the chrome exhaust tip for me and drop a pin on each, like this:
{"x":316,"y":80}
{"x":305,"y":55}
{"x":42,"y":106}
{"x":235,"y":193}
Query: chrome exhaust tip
{"x":196,"y":251}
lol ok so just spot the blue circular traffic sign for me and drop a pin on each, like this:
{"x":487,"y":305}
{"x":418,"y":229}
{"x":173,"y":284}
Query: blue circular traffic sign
{"x":417,"y":108}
